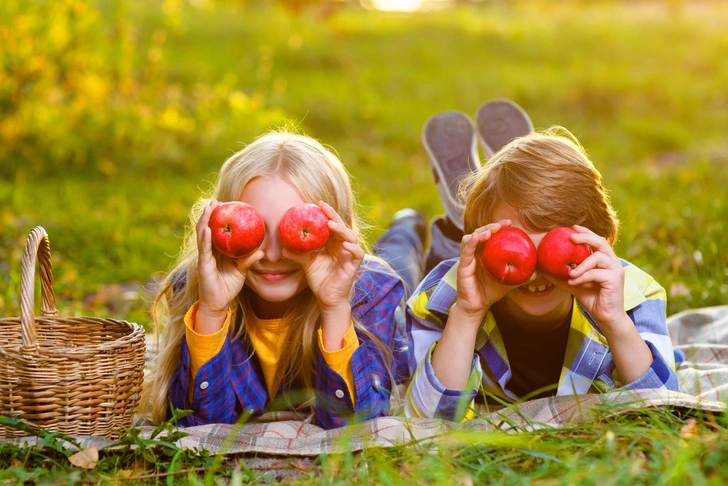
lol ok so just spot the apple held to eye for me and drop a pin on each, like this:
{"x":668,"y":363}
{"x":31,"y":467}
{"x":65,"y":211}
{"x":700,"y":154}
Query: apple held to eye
{"x":303,"y":228}
{"x":509,"y":256}
{"x":237,"y":229}
{"x":557,"y":254}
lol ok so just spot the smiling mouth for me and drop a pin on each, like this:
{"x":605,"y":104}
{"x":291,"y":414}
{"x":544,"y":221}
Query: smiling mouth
{"x":273,"y":276}
{"x":537,"y":290}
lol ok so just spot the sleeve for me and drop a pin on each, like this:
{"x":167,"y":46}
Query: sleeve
{"x":426,"y":396}
{"x":340,"y":360}
{"x":217,"y":392}
{"x":203,"y":347}
{"x":649,"y":317}
{"x":377,"y":294}
{"x":213,"y":399}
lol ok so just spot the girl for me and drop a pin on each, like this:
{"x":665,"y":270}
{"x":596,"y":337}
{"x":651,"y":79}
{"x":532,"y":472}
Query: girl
{"x":602,"y":329}
{"x":264,"y":331}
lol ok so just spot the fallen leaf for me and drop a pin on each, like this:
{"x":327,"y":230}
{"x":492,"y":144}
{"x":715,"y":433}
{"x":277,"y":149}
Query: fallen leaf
{"x":690,"y":430}
{"x":85,"y":458}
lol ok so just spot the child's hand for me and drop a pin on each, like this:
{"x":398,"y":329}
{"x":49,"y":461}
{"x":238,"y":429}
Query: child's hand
{"x":476,"y":290}
{"x":330,"y":272}
{"x":220,"y":278}
{"x":598,"y":281}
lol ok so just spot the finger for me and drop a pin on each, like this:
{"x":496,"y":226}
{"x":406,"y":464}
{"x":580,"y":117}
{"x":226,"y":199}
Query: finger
{"x":203,"y":223}
{"x":205,"y":255}
{"x":493,"y":227}
{"x":330,"y":212}
{"x":356,"y":251}
{"x":595,"y":260}
{"x":342,"y":232}
{"x":595,"y":275}
{"x":469,"y":245}
{"x":585,"y":236}
{"x":206,"y":213}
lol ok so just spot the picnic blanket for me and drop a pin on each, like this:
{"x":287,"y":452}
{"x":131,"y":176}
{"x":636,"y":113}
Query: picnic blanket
{"x":701,"y":336}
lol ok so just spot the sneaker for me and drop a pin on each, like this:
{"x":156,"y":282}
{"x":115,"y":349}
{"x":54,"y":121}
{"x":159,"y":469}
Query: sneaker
{"x":499,"y":122}
{"x":451,"y":145}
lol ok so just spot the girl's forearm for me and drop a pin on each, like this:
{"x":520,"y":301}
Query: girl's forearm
{"x":452,"y":358}
{"x":207,"y":322}
{"x":334,"y":324}
{"x":632,"y":357}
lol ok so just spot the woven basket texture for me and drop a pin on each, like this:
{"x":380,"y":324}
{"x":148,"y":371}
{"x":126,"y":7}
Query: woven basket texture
{"x":75,"y":375}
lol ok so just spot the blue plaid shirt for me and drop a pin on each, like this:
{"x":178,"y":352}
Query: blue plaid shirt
{"x":588,"y":365}
{"x":231,"y":384}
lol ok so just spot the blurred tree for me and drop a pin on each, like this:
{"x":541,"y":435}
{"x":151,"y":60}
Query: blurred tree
{"x":81,"y":90}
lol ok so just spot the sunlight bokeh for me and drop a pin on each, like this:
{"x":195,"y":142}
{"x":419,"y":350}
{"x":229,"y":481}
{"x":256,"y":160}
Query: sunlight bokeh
{"x":405,"y":5}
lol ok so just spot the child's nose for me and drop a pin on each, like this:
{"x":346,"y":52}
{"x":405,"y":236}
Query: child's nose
{"x":272,"y":247}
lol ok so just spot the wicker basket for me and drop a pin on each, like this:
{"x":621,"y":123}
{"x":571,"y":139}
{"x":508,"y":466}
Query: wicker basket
{"x":75,"y":375}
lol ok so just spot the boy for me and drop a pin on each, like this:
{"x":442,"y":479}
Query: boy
{"x":602,"y":329}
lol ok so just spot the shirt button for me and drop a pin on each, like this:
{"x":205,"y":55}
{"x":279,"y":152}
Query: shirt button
{"x":376,"y":382}
{"x":204,"y":385}
{"x":339,"y":394}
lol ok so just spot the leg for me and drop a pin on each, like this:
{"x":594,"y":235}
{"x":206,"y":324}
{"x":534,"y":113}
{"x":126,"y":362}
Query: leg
{"x":402,"y":246}
{"x":451,"y":145}
{"x":444,"y":242}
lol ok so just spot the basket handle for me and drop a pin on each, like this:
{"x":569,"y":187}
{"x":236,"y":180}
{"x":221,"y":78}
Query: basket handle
{"x":37,"y":245}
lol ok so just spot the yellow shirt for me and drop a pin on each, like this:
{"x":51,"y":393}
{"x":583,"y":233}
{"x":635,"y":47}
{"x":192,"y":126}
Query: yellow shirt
{"x":268,"y":338}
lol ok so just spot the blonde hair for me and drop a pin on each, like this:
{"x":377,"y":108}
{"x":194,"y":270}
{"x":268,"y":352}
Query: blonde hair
{"x":318,"y":175}
{"x":549,"y":180}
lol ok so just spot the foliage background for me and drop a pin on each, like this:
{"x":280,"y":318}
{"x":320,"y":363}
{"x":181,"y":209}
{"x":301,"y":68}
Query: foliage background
{"x":116,"y":115}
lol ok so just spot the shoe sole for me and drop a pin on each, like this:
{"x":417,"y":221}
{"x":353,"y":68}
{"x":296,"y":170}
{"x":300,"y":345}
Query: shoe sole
{"x":499,"y":122}
{"x":450,"y":141}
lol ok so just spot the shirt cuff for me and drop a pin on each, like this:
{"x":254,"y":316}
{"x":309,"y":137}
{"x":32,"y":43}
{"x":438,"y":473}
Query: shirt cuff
{"x":659,"y":375}
{"x":203,"y":347}
{"x":428,"y":397}
{"x":340,"y":360}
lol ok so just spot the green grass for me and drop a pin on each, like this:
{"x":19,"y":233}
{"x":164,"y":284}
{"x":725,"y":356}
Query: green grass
{"x":642,"y":86}
{"x":661,"y":446}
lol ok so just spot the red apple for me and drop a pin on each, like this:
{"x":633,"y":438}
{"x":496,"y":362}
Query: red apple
{"x":509,"y":256}
{"x":237,"y":229}
{"x":557,"y":254}
{"x":304,"y":228}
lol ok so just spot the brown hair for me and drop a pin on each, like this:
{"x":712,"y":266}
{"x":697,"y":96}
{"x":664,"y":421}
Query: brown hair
{"x":549,"y":180}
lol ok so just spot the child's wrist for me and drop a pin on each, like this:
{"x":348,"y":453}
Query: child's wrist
{"x":466,"y":317}
{"x":616,"y":327}
{"x":206,"y":312}
{"x":337,"y":313}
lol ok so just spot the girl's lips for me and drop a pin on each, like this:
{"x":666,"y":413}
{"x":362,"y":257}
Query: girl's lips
{"x":537,"y":290}
{"x":273,"y":276}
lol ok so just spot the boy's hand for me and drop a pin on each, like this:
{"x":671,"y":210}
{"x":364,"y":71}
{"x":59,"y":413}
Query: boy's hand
{"x":476,"y":290}
{"x":220,"y":278}
{"x":598,"y":281}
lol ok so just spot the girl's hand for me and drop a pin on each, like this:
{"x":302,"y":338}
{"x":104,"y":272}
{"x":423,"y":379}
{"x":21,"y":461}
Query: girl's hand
{"x":476,"y":290}
{"x":330,"y":272}
{"x":220,"y":278}
{"x":598,"y":281}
